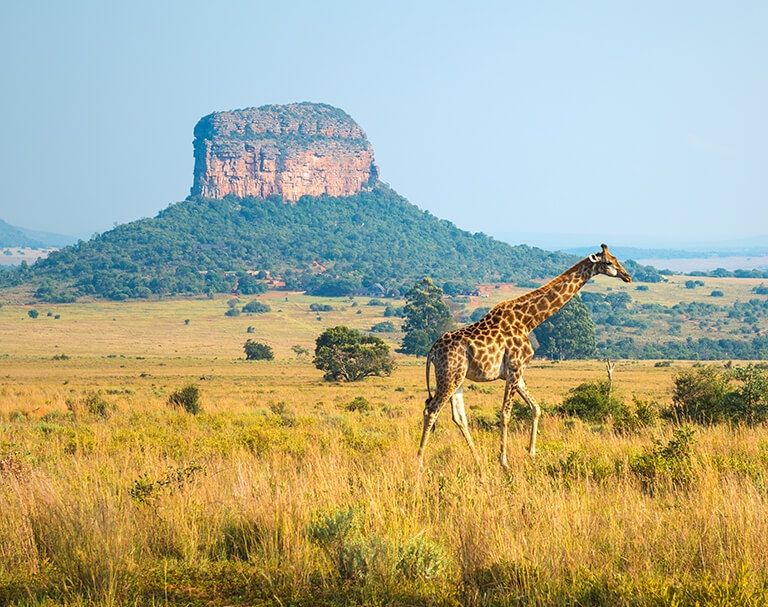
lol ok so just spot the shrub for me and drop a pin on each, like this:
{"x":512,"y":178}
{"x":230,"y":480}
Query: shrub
{"x":420,"y":559}
{"x":359,"y":403}
{"x":317,"y":307}
{"x":299,"y":351}
{"x":592,"y":402}
{"x":33,"y":313}
{"x":641,"y":288}
{"x":716,"y":293}
{"x":346,"y":354}
{"x":384,"y":327}
{"x":391,"y":311}
{"x":188,"y":398}
{"x":376,"y":302}
{"x":256,"y":307}
{"x":232,"y":312}
{"x":92,"y":403}
{"x":255,"y":350}
{"x":666,"y":466}
{"x":250,"y":329}
{"x":699,"y":395}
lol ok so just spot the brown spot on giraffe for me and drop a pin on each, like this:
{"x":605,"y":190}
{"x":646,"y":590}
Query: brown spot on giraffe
{"x":497,"y":347}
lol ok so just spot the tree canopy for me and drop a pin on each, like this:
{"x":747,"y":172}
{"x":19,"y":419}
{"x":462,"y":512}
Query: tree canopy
{"x":569,"y":333}
{"x":427,"y":317}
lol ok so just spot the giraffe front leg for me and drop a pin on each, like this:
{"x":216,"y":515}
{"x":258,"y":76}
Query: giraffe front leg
{"x":506,"y":414}
{"x":535,"y":414}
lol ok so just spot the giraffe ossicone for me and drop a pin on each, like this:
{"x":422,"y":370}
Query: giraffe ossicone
{"x":497,"y":347}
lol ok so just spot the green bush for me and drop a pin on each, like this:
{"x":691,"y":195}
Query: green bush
{"x":318,"y":307}
{"x":383,"y":327}
{"x":33,"y":313}
{"x":232,"y":312}
{"x":256,"y":307}
{"x":255,"y":350}
{"x":592,"y":402}
{"x":711,"y":394}
{"x":92,"y":403}
{"x":717,"y":293}
{"x":188,"y":398}
{"x":359,"y":403}
{"x":420,"y":559}
{"x":666,"y":466}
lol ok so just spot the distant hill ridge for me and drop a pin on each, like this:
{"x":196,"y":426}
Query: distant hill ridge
{"x":14,"y":236}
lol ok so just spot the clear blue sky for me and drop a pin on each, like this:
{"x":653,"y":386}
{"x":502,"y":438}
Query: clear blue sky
{"x":644,"y":121}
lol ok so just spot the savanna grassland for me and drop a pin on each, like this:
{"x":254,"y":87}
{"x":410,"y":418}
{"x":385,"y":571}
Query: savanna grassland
{"x":289,"y":490}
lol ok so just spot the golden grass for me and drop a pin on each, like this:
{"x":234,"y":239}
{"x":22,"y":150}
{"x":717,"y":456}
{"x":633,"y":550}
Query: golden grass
{"x":150,"y":505}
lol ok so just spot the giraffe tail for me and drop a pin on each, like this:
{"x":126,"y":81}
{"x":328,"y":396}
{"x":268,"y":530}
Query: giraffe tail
{"x":429,"y":389}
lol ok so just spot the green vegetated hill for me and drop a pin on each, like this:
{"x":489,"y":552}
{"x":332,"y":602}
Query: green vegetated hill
{"x":326,"y":245}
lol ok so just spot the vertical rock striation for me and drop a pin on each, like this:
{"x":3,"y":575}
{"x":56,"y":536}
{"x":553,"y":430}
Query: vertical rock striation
{"x":287,"y":150}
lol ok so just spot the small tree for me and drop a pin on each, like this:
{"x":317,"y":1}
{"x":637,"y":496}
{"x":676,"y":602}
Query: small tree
{"x":255,"y":350}
{"x":383,"y":327}
{"x":570,"y":333}
{"x":33,"y":313}
{"x":346,"y":354}
{"x":256,"y":307}
{"x":426,"y":317}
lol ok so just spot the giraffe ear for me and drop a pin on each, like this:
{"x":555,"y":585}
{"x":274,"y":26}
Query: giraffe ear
{"x":594,"y":258}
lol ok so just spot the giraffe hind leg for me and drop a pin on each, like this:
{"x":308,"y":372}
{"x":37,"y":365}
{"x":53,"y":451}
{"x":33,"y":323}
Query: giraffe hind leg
{"x":460,"y":419}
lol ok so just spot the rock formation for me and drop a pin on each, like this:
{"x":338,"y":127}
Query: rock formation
{"x":286,"y":150}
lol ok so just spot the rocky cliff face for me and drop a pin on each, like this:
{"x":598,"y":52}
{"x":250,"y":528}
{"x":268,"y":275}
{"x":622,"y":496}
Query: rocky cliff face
{"x":288,"y":150}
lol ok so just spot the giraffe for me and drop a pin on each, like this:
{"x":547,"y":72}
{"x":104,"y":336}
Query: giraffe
{"x":498,"y":347}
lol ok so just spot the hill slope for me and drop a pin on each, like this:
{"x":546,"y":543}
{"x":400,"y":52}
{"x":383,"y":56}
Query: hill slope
{"x":11,"y":236}
{"x":325,"y":244}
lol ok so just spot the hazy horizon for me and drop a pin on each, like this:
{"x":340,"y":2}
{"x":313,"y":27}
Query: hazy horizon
{"x":645,"y":121}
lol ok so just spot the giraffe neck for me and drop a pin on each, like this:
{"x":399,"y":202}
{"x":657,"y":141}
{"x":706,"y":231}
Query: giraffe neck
{"x":537,"y":306}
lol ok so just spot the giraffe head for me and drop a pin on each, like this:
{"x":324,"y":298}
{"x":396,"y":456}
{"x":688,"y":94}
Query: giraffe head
{"x":605,"y":263}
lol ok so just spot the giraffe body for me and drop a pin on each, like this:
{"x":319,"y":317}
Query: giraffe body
{"x":497,"y":347}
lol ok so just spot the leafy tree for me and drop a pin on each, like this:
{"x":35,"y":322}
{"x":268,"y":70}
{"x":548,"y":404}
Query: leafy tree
{"x":569,"y":333}
{"x":426,"y":317}
{"x":318,"y":307}
{"x":250,"y":285}
{"x":478,"y":313}
{"x":33,"y":313}
{"x":384,"y":327}
{"x":256,"y":307}
{"x":255,"y":350}
{"x":346,"y":354}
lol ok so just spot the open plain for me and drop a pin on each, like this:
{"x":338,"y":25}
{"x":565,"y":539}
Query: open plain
{"x":290,"y":490}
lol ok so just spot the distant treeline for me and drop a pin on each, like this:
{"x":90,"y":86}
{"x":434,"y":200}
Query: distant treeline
{"x":723,"y":273}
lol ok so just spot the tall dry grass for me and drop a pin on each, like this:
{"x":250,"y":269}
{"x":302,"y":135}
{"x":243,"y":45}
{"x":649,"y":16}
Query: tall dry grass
{"x":304,"y":502}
